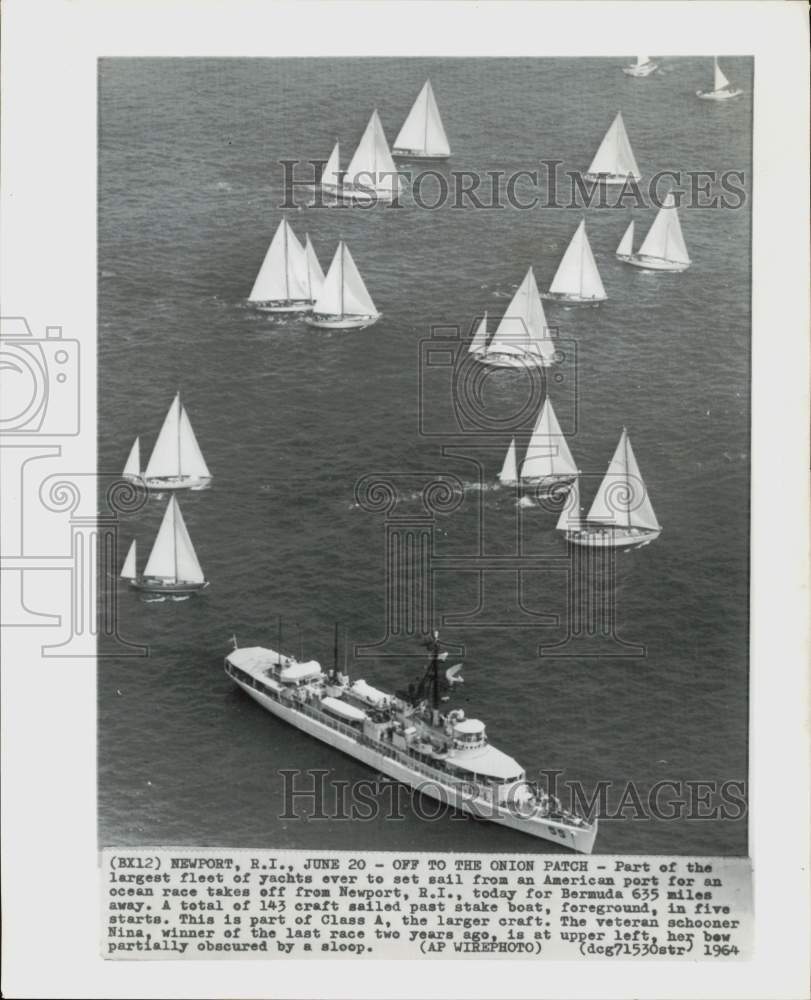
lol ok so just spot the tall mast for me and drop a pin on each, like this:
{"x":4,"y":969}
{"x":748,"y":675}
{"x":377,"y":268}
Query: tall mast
{"x":582,"y":255}
{"x":627,"y":483}
{"x":174,"y":534}
{"x":427,"y":99}
{"x":435,"y":668}
{"x":286,"y":268}
{"x":335,"y":650}
{"x":179,"y":462}
{"x":343,"y":251}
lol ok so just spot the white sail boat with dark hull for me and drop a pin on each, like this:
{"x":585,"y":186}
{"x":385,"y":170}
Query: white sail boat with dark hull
{"x":344,"y":302}
{"x":577,"y":280}
{"x":548,"y":464}
{"x":663,"y":249}
{"x":280,"y":285}
{"x":423,"y":136}
{"x":722,"y":89}
{"x":621,"y":515}
{"x":643,"y":66}
{"x":614,"y":162}
{"x":176,"y":462}
{"x":522,"y":338}
{"x":372,"y":173}
{"x":172,"y":567}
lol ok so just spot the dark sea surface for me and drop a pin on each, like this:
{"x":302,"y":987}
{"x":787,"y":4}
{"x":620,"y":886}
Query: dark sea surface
{"x":290,"y":418}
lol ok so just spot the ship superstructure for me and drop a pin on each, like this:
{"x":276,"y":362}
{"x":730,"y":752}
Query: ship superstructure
{"x":443,"y":755}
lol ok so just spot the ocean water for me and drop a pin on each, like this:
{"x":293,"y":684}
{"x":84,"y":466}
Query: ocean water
{"x":290,"y":419}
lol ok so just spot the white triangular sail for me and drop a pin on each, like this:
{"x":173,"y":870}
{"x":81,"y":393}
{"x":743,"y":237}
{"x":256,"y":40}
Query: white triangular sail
{"x":423,"y":131}
{"x":622,"y":499}
{"x":548,"y":453}
{"x":577,"y":272}
{"x":479,"y":343}
{"x":523,"y":328}
{"x":162,"y":562}
{"x":280,"y":276}
{"x":192,"y":462}
{"x":331,"y":177}
{"x":720,"y":81}
{"x":665,"y":239}
{"x":314,"y":274}
{"x":132,"y":470}
{"x":509,"y":470}
{"x":188,"y":566}
{"x":344,"y":292}
{"x":165,"y":461}
{"x":626,"y":246}
{"x":569,"y":519}
{"x":372,"y":166}
{"x":642,"y":61}
{"x":129,"y":570}
{"x":615,"y":157}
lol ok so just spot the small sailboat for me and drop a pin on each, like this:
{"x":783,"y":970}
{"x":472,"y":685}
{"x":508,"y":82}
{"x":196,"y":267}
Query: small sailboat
{"x":621,"y":514}
{"x":522,"y":338}
{"x":344,"y":303}
{"x":722,"y":89}
{"x":663,"y":249}
{"x":132,"y":469}
{"x":280,"y":285}
{"x":614,"y":162}
{"x":509,"y":470}
{"x":643,"y":66}
{"x":422,"y":136}
{"x":172,"y":567}
{"x":372,"y":174}
{"x":548,"y":464}
{"x":176,"y":462}
{"x":577,"y":279}
{"x":331,"y":176}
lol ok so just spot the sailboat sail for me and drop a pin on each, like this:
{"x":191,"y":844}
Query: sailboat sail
{"x":548,"y":453}
{"x":626,"y":247}
{"x":642,"y":61}
{"x":479,"y":343}
{"x":615,"y":157}
{"x":721,"y":82}
{"x":665,"y":239}
{"x":344,"y":292}
{"x":569,"y":519}
{"x":331,"y":177}
{"x":314,"y":275}
{"x":577,"y":272}
{"x":509,"y":470}
{"x":192,"y":462}
{"x":173,"y":556}
{"x":523,"y":327}
{"x":189,"y":569}
{"x":129,"y":570}
{"x":423,"y":131}
{"x":280,"y":276}
{"x":372,"y":166}
{"x":622,"y":499}
{"x":165,"y":458}
{"x":133,"y":467}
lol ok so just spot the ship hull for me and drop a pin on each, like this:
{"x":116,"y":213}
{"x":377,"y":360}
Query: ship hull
{"x":573,"y":300}
{"x":718,"y":95}
{"x":612,"y":178}
{"x":324,"y":322}
{"x":579,"y":839}
{"x":159,"y":484}
{"x":158,"y":587}
{"x":645,"y":70}
{"x":612,"y":538}
{"x":523,"y":361}
{"x":284,"y":306}
{"x":421,"y":155}
{"x":653,"y":263}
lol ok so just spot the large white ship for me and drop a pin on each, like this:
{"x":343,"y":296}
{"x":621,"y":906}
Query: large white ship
{"x":445,"y":756}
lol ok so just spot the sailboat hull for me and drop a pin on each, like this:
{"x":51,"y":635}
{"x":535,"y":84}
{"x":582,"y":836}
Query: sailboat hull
{"x":367,"y":195}
{"x":573,"y":300}
{"x":718,"y":95}
{"x":645,"y":70}
{"x":612,"y":538}
{"x":326,"y":322}
{"x":419,"y":154}
{"x":612,"y":178}
{"x":522,"y":361}
{"x":159,"y":484}
{"x":284,"y":306}
{"x":153,"y":586}
{"x":547,"y":486}
{"x":654,"y":263}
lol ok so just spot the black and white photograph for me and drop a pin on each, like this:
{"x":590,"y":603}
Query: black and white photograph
{"x":406,"y":494}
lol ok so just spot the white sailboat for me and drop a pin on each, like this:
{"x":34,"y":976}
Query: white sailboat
{"x":722,"y":89}
{"x":280,"y":285}
{"x":509,"y":470}
{"x":614,"y":162}
{"x":577,"y":280}
{"x":344,"y":302}
{"x":423,"y":136}
{"x":522,"y":338}
{"x":621,"y":514}
{"x":132,"y":469}
{"x":128,"y":570}
{"x":314,"y":275}
{"x":372,"y":174}
{"x":643,"y":66}
{"x":172,"y":566}
{"x":548,"y":464}
{"x":176,"y":462}
{"x":663,"y":249}
{"x":331,"y":177}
